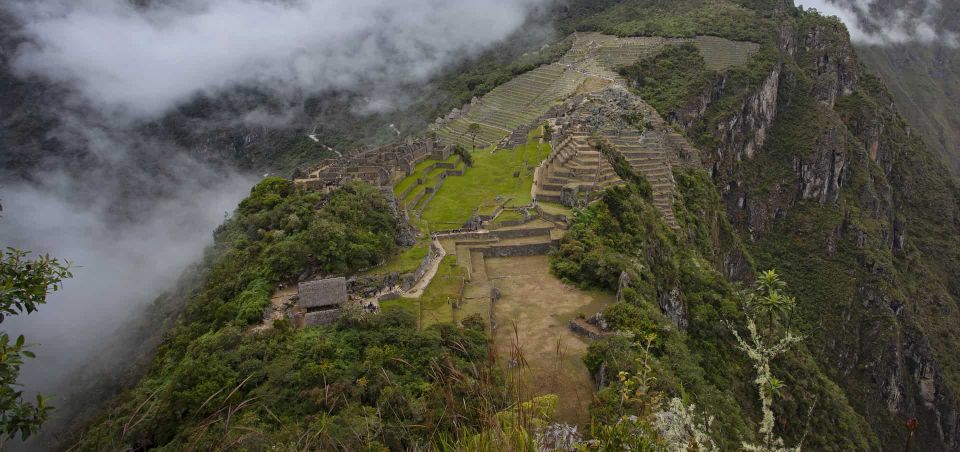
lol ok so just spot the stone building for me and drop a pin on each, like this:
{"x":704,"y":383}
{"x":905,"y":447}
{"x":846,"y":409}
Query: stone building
{"x":381,"y":166}
{"x":321,"y":300}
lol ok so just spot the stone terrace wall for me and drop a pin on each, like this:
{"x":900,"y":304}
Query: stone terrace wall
{"x":529,"y":249}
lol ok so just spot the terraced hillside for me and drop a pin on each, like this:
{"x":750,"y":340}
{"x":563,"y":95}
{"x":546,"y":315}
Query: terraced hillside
{"x":574,"y":168}
{"x":525,"y":99}
{"x":613,"y":52}
{"x":416,"y":190}
{"x":511,"y":105}
{"x":576,"y":171}
{"x":649,"y":154}
{"x":498,"y":219}
{"x":720,"y":54}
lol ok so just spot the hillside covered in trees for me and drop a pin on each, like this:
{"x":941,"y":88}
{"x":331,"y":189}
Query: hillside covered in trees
{"x":681,"y":225}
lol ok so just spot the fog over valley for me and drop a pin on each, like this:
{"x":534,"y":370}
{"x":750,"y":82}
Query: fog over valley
{"x":473,"y":225}
{"x":131,"y":210}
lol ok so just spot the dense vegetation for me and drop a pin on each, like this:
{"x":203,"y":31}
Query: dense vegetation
{"x":681,"y":18}
{"x":364,"y":384}
{"x":687,"y":74}
{"x":697,"y":360}
{"x":679,"y":85}
{"x":883,"y":236}
{"x":862,"y":285}
{"x":279,"y":233}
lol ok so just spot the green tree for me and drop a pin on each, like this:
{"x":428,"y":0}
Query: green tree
{"x":24,"y":285}
{"x":473,"y":129}
{"x":464,"y":155}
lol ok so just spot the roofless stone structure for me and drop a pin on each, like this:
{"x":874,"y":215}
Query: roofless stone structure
{"x":382,"y":166}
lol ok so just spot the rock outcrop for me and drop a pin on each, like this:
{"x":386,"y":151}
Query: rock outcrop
{"x":818,"y":171}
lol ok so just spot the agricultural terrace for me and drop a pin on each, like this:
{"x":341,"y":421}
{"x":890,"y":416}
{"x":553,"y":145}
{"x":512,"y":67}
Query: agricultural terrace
{"x":516,"y":103}
{"x":721,"y":54}
{"x":502,"y":273}
{"x":497,"y":178}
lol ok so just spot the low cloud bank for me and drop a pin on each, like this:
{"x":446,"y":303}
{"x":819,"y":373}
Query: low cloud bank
{"x":878,"y":22}
{"x":131,"y":212}
{"x":120,"y":265}
{"x":139,"y":61}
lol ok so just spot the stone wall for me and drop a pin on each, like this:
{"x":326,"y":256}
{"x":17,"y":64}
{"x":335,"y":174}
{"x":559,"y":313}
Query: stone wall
{"x":381,"y":166}
{"x":417,"y":198}
{"x":435,"y":252}
{"x":530,"y":249}
{"x":317,"y":318}
{"x":406,"y":192}
{"x":556,"y":218}
{"x":501,"y":234}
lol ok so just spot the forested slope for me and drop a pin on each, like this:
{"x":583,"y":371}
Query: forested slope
{"x":823,"y":179}
{"x":806,"y":167}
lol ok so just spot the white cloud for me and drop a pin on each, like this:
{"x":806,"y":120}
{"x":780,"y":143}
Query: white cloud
{"x":142,"y":61}
{"x":133,"y":212}
{"x":869,"y":24}
{"x":125,"y":257}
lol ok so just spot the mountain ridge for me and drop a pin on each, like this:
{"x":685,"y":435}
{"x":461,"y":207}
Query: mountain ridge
{"x":802,"y":164}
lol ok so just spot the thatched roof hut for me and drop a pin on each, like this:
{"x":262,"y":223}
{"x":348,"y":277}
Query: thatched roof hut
{"x":322,"y":293}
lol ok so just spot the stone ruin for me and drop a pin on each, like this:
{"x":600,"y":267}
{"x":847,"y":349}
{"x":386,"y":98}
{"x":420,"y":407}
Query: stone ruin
{"x":319,"y":301}
{"x":575,"y":172}
{"x":382,"y":166}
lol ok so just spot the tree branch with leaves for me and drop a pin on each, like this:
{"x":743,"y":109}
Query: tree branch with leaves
{"x":25,"y":283}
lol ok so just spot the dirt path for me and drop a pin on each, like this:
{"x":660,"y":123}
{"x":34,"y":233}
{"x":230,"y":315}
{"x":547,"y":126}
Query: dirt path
{"x":419,"y":287}
{"x":277,"y":301}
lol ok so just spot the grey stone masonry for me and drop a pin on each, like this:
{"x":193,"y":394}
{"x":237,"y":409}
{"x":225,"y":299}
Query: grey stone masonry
{"x":322,"y":293}
{"x":380,"y":166}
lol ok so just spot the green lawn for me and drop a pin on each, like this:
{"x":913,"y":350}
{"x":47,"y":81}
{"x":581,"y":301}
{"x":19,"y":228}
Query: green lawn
{"x":509,"y":215}
{"x":436,"y":303}
{"x":405,"y":260}
{"x":491,"y":176}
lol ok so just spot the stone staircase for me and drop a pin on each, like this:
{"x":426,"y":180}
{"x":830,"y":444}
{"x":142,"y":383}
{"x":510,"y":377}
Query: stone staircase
{"x":650,"y":154}
{"x":573,"y":167}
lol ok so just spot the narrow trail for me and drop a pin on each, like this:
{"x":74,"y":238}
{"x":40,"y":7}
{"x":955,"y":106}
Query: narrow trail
{"x":421,"y":285}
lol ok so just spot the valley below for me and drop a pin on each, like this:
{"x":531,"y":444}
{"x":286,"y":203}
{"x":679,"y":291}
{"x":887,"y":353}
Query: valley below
{"x":620,"y":225}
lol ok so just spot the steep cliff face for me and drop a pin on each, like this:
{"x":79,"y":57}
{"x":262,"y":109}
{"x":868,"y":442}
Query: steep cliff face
{"x":817,"y":169}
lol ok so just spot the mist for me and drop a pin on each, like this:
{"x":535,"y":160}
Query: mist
{"x":873,"y":22}
{"x":141,"y":61}
{"x":133,"y":211}
{"x":118,"y":266}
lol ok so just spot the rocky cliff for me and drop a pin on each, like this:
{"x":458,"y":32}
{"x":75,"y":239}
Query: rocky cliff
{"x":827,"y":181}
